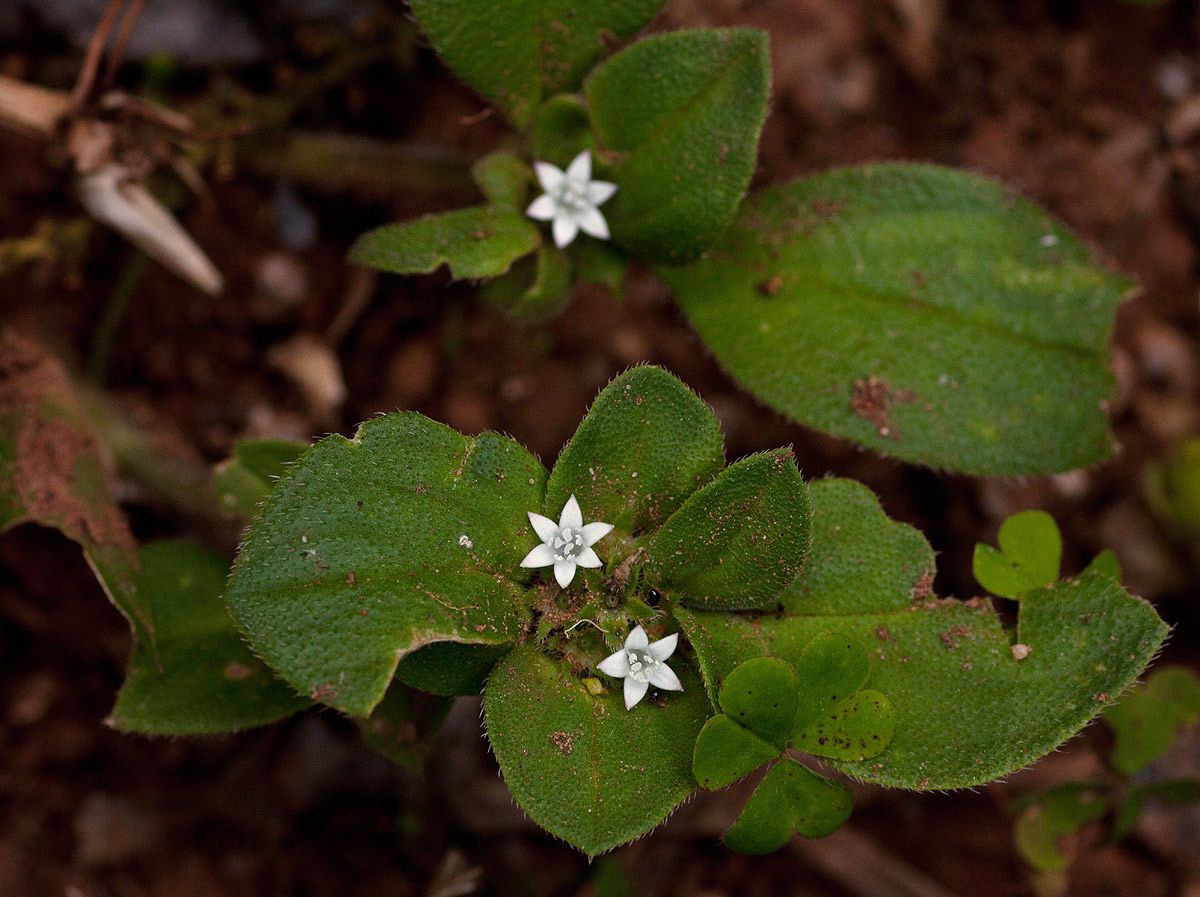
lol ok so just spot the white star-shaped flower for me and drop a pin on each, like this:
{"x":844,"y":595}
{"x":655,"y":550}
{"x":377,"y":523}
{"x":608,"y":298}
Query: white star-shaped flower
{"x":642,"y":664}
{"x":566,"y":544}
{"x":571,"y":200}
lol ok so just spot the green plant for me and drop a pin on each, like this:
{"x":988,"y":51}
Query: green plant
{"x":407,"y":560}
{"x":930,"y":314}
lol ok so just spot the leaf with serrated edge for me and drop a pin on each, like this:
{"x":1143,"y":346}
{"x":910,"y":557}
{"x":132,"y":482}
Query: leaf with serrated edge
{"x":646,"y":444}
{"x":583,"y":767}
{"x":966,"y":712}
{"x":927,"y":313}
{"x":205,"y":679}
{"x":369,"y":548}
{"x":739,"y":541}
{"x":519,"y":52}
{"x":679,"y":115}
{"x":482,"y":241}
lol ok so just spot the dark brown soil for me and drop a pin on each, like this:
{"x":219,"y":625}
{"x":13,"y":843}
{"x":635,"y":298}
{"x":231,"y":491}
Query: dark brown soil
{"x":1091,"y":107}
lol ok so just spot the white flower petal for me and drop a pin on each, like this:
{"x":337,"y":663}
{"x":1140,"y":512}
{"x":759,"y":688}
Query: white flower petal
{"x":588,"y":558}
{"x":543,"y":526}
{"x":542,"y":556}
{"x":615,"y":665}
{"x":599,"y":192}
{"x":636,"y":638}
{"x":634,"y":691}
{"x":662,"y":676}
{"x":565,"y":228}
{"x":551,"y":177}
{"x":580,"y":169}
{"x":591,"y":222}
{"x":594,"y":532}
{"x":571,"y":515}
{"x":564,"y":572}
{"x":543,"y":208}
{"x":664,"y":647}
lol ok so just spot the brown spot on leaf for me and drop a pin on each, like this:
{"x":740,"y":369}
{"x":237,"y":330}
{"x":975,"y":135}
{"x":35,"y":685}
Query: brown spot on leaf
{"x":564,"y":741}
{"x":873,"y":398}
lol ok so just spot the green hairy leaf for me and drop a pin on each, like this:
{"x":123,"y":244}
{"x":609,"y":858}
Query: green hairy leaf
{"x":580,"y":765}
{"x":370,"y":548}
{"x":205,"y":679}
{"x":518,"y":53}
{"x":482,"y":241}
{"x":1148,"y":719}
{"x":54,"y":473}
{"x":964,"y":709}
{"x":678,"y":116}
{"x":927,"y":313}
{"x":646,"y":444}
{"x":737,"y":542}
{"x":1028,"y":558}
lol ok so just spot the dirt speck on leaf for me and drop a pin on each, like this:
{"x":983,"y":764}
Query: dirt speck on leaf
{"x":873,"y":398}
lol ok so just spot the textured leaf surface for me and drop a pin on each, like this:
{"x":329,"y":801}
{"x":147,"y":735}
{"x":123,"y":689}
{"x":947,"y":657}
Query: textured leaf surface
{"x":830,"y":668}
{"x":647,"y":443}
{"x":857,"y":727}
{"x":860,"y":560}
{"x":679,"y":115}
{"x":561,"y":131}
{"x":739,"y":541}
{"x":760,"y":694}
{"x":790,"y":799}
{"x":581,"y":766}
{"x":245,"y":479}
{"x":1149,"y":718}
{"x":1029,"y":555}
{"x":965,"y":710}
{"x":519,"y":52}
{"x":927,"y":313}
{"x":370,"y":548}
{"x":54,"y":473}
{"x":482,"y":241}
{"x":450,"y":668}
{"x":206,"y":679}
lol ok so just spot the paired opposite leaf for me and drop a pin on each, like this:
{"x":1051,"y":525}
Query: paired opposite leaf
{"x":580,"y":765}
{"x":54,"y":473}
{"x":647,"y":443}
{"x":482,"y":241}
{"x":520,"y":52}
{"x":205,"y":678}
{"x":927,"y":313}
{"x":1028,"y":558}
{"x":736,"y":543}
{"x":368,"y":549}
{"x":678,"y":116}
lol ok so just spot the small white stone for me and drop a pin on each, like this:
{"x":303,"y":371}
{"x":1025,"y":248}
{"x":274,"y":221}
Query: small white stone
{"x":464,"y":541}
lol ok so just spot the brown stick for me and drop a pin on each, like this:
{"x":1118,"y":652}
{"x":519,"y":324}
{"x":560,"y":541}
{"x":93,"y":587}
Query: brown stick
{"x":117,"y":54}
{"x":95,"y":50}
{"x":862,"y":867}
{"x":31,"y":109}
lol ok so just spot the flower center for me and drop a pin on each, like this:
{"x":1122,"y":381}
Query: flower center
{"x":640,"y":664}
{"x":572,"y":198}
{"x":567,"y":543}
